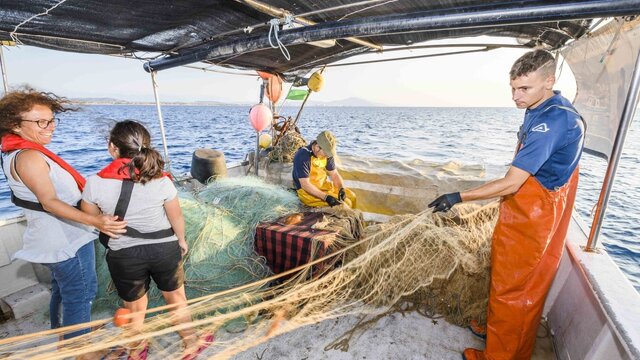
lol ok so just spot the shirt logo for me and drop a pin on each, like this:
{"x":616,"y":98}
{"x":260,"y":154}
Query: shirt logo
{"x":541,"y":128}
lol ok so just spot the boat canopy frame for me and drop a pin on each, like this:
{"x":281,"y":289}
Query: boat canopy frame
{"x":5,"y":81}
{"x":477,"y":17}
{"x":176,"y":30}
{"x":628,"y":112}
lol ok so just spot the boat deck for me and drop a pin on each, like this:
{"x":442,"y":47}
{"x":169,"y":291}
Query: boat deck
{"x":396,"y":336}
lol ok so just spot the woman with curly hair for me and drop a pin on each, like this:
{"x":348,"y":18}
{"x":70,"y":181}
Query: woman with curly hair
{"x":58,"y":235}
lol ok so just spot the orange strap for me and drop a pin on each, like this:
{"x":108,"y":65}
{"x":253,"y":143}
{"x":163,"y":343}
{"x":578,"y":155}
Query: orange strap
{"x":11,"y":142}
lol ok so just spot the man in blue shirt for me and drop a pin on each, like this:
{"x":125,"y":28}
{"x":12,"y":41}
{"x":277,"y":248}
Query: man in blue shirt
{"x":311,"y":164}
{"x":537,"y":193}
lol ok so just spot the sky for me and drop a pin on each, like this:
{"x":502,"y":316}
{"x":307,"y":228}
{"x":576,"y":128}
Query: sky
{"x":469,"y":80}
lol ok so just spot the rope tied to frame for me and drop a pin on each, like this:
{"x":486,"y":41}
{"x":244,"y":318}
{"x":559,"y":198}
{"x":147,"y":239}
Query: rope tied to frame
{"x":13,"y":34}
{"x":274,"y":27}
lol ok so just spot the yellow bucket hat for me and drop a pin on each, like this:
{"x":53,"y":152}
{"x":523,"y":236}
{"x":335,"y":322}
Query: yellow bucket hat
{"x":327,"y":142}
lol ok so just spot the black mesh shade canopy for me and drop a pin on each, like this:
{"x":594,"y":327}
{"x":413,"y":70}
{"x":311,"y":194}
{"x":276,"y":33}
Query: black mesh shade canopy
{"x":229,"y":29}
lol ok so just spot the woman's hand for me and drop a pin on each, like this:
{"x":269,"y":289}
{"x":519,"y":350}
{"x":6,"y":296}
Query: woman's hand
{"x":184,"y":247}
{"x":34,"y":172}
{"x":110,"y":225}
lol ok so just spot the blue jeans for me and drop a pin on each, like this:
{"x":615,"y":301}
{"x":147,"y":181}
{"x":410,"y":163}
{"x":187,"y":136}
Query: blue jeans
{"x":73,"y":285}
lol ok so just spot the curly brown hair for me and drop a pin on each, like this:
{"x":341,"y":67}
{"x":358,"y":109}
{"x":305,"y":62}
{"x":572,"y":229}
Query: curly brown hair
{"x":16,"y":102}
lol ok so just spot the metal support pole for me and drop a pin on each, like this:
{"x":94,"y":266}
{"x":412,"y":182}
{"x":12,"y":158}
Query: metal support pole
{"x":162,"y":133}
{"x":257,"y":158}
{"x":5,"y":82}
{"x":263,"y":88}
{"x":630,"y":105}
{"x":295,"y":122}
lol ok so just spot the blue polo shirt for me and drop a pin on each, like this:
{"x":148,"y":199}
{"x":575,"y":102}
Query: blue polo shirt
{"x":551,"y":138}
{"x":302,"y":165}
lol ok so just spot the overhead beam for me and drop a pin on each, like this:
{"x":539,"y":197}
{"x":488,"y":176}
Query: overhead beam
{"x":515,"y":13}
{"x":273,"y":11}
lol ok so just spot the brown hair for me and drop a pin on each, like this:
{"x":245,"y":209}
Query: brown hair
{"x":134,"y":142}
{"x":20,"y":101}
{"x":533,"y":61}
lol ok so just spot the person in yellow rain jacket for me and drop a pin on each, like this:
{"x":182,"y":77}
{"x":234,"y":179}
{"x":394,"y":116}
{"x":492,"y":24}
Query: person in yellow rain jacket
{"x":311,"y":165}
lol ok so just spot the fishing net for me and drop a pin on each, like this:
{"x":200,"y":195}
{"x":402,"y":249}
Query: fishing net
{"x":431,"y":263}
{"x":220,"y":221}
{"x":453,"y":260}
{"x":437,"y":265}
{"x":286,"y":148}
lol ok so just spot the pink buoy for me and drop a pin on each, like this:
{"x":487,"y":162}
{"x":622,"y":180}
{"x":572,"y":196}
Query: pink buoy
{"x":260,"y":117}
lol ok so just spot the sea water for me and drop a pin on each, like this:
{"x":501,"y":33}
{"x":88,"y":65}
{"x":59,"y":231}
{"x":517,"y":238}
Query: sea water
{"x":485,"y":136}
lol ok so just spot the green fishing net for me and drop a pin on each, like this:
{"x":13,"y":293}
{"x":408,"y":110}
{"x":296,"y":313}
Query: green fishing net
{"x":220,"y":221}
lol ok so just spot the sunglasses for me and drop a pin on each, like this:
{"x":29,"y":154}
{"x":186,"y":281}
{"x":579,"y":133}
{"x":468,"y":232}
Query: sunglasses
{"x":44,"y":123}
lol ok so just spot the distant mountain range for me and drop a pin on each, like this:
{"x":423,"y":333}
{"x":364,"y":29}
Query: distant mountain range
{"x":112,"y":101}
{"x":352,"y":101}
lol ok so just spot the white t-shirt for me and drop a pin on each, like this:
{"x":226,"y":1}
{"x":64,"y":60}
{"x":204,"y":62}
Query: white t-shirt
{"x":145,"y":213}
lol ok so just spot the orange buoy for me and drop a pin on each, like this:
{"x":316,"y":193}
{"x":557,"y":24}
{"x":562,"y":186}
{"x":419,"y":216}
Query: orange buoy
{"x":264,"y":75}
{"x":274,"y":88}
{"x":119,"y":318}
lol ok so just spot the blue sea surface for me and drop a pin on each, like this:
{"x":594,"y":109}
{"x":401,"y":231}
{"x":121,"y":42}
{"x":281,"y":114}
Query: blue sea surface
{"x":484,"y":136}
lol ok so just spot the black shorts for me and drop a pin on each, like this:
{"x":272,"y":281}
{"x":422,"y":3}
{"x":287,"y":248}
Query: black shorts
{"x":133,"y":268}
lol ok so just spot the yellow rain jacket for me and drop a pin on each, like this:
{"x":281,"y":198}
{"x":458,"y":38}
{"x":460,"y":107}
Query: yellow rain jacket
{"x":318,"y":177}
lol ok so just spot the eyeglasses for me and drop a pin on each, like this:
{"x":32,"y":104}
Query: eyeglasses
{"x":44,"y":123}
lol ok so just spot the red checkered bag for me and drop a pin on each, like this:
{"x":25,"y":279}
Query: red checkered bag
{"x":288,"y":246}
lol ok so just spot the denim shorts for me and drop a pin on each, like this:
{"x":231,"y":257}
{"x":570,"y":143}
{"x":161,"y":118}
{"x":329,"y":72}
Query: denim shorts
{"x":133,"y":268}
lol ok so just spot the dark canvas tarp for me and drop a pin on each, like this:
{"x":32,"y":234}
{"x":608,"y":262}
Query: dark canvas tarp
{"x":156,"y":28}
